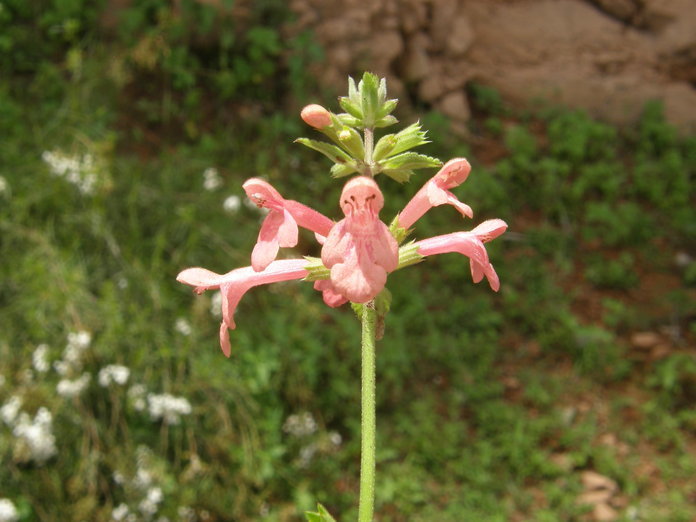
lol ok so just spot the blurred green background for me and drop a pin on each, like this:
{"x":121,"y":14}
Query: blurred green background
{"x":566,"y":396}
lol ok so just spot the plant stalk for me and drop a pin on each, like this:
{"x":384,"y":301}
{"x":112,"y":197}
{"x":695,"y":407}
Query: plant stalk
{"x":369,"y":134}
{"x":368,"y":416}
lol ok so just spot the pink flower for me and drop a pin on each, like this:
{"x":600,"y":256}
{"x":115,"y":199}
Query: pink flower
{"x":471,"y":245}
{"x":316,"y":116}
{"x":435,"y":193}
{"x":279,"y":229}
{"x":233,"y":285}
{"x":360,"y":250}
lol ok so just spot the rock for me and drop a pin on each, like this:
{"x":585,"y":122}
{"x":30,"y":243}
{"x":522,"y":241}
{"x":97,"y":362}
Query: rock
{"x":592,"y":481}
{"x":604,"y":513}
{"x":416,"y":62}
{"x":460,"y":37}
{"x":645,"y":340}
{"x":456,"y":106}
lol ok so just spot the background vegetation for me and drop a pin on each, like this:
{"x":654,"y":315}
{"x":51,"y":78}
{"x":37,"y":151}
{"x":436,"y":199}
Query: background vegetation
{"x":124,"y":146}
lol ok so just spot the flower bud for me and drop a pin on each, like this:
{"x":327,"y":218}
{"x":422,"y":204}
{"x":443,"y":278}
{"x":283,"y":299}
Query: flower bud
{"x":316,"y":116}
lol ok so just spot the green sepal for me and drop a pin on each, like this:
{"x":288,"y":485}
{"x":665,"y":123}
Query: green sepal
{"x":387,"y":107}
{"x":409,"y":160}
{"x":399,"y":233}
{"x":408,"y":255}
{"x":408,"y":138}
{"x":384,"y":147}
{"x":386,"y":121}
{"x":351,"y":108}
{"x":382,"y":304}
{"x":332,"y":152}
{"x":316,"y":269}
{"x":322,"y":515}
{"x":349,"y":119}
{"x":400,"y":175}
{"x":351,"y":141}
{"x":369,"y":98}
{"x":343,"y":169}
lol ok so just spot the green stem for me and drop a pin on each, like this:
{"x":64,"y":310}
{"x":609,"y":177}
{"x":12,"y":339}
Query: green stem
{"x":369,"y":134}
{"x":369,"y":420}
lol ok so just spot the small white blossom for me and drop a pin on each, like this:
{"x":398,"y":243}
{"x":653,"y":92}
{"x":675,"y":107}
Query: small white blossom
{"x":167,"y":407}
{"x":335,"y":438}
{"x":8,"y":511}
{"x":143,"y":478}
{"x":232,"y":204}
{"x":113,"y":373}
{"x":182,"y":326}
{"x":136,"y":394}
{"x":10,"y":410}
{"x":36,"y":437}
{"x":300,"y":424}
{"x":118,"y":478}
{"x":39,"y":359}
{"x":155,"y":495}
{"x":72,"y":388}
{"x":211,"y":179}
{"x":186,"y":514}
{"x":216,"y":304}
{"x":80,"y":340}
{"x":120,"y":513}
{"x":306,"y":455}
{"x":80,"y":171}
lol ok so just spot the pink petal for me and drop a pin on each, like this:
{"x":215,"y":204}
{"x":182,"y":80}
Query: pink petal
{"x":225,"y":339}
{"x":278,"y":229}
{"x":233,"y":285}
{"x":316,"y":116}
{"x":490,"y":229}
{"x":465,"y":243}
{"x":434,"y":193}
{"x":331,"y":297}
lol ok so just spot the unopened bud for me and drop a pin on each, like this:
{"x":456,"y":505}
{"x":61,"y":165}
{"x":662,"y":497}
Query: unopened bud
{"x":316,"y":116}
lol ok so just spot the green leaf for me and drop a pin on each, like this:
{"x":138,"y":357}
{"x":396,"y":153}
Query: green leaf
{"x":349,"y":119}
{"x":352,"y":142}
{"x":322,"y":515}
{"x":316,"y":270}
{"x":387,"y":107}
{"x":384,"y":147}
{"x":339,"y":170}
{"x":409,"y":160}
{"x":386,"y":121}
{"x":332,"y":152}
{"x":400,"y":175}
{"x":369,"y":98}
{"x":411,"y":136}
{"x":351,"y":107}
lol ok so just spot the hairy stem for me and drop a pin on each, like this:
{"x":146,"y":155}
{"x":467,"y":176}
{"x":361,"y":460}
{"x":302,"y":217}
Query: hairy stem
{"x":369,"y":420}
{"x":369,"y":147}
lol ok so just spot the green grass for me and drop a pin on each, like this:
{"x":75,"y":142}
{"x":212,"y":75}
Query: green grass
{"x":489,"y":405}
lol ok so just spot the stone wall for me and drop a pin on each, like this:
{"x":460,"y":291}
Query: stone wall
{"x":607,"y":56}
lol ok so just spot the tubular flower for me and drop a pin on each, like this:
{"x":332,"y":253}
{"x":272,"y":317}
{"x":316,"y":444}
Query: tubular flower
{"x":279,"y":229}
{"x":358,"y":251}
{"x":435,"y":193}
{"x":316,"y":116}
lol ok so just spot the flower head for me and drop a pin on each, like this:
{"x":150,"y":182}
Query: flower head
{"x":316,"y":116}
{"x":360,"y":250}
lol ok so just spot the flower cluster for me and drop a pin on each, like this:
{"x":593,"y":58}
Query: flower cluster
{"x":359,"y":251}
{"x":81,"y":171}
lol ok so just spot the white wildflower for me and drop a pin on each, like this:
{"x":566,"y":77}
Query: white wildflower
{"x":113,"y":373}
{"x":120,"y":513}
{"x":118,"y":478}
{"x":80,"y":340}
{"x":306,"y":455}
{"x":216,"y":304}
{"x":39,"y":358}
{"x":186,"y":514}
{"x":211,"y":179}
{"x":72,"y":388}
{"x":182,"y":326}
{"x":10,"y":410}
{"x":167,"y":407}
{"x":300,"y":424}
{"x":335,"y":438}
{"x":36,"y":436}
{"x":8,"y":511}
{"x":136,"y":394}
{"x":81,"y":171}
{"x":232,"y":204}
{"x":155,"y":495}
{"x":143,"y":478}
